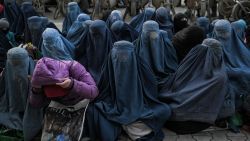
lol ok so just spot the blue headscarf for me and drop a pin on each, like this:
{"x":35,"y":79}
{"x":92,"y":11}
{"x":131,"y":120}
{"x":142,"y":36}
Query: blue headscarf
{"x":154,"y":47}
{"x":115,"y":15}
{"x":36,"y":29}
{"x":239,"y":28}
{"x":83,"y":17}
{"x":198,"y":89}
{"x":164,"y":19}
{"x":204,"y":23}
{"x":123,"y":31}
{"x":137,"y":21}
{"x":128,"y":93}
{"x":101,"y":41}
{"x":55,"y":46}
{"x":73,"y":12}
{"x":236,"y":57}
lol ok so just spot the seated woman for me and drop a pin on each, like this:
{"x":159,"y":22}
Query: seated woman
{"x":163,"y":17}
{"x":240,"y":28}
{"x":154,"y":47}
{"x":197,"y":91}
{"x":114,"y":16}
{"x":127,"y":100}
{"x":15,"y":112}
{"x":66,"y":85}
{"x":186,"y":39}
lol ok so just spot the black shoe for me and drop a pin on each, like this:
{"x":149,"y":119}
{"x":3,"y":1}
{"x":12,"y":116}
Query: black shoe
{"x":47,"y":10}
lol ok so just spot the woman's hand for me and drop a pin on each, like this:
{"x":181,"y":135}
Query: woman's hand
{"x":65,"y":84}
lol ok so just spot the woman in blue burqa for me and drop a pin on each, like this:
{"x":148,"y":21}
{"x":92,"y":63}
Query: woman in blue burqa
{"x":198,"y":90}
{"x":137,"y":21}
{"x":11,"y":12}
{"x":21,"y":24}
{"x":15,"y":111}
{"x":240,"y":28}
{"x":128,"y":99}
{"x":204,"y":23}
{"x":77,"y":31}
{"x":36,"y":29}
{"x":72,"y":14}
{"x":236,"y":56}
{"x":99,"y":46}
{"x":114,"y":16}
{"x":155,"y":48}
{"x":123,"y":31}
{"x":163,"y":17}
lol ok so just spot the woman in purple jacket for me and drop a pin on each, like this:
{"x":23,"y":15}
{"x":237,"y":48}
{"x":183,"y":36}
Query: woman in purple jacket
{"x":65,"y":85}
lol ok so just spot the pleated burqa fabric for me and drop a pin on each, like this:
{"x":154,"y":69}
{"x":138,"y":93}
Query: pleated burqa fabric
{"x":163,"y":17}
{"x":77,"y":32}
{"x":155,"y":48}
{"x":15,"y":110}
{"x":72,"y":14}
{"x":101,"y":42}
{"x":137,"y":21}
{"x":115,"y":15}
{"x":236,"y":56}
{"x":128,"y":93}
{"x":199,"y":87}
{"x":123,"y":31}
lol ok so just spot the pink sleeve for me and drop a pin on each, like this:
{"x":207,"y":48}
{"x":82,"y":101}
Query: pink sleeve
{"x":84,"y":85}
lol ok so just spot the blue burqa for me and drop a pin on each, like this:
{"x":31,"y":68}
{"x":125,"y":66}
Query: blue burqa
{"x":204,"y":23}
{"x":123,"y":31}
{"x":11,"y":12}
{"x":114,"y":16}
{"x":240,"y":28}
{"x":198,"y":89}
{"x":128,"y":93}
{"x":237,"y":60}
{"x":36,"y":29}
{"x":72,"y":14}
{"x":55,"y":46}
{"x":137,"y":21}
{"x":77,"y":32}
{"x":101,"y":42}
{"x":163,"y":17}
{"x":15,"y":110}
{"x":154,"y":47}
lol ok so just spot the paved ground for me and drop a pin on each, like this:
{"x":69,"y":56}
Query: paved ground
{"x":212,"y":134}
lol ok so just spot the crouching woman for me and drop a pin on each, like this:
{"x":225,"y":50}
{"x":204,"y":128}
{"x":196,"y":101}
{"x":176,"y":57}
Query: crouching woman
{"x":64,"y":86}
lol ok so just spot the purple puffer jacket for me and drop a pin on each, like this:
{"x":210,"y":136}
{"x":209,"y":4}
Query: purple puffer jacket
{"x":49,"y":71}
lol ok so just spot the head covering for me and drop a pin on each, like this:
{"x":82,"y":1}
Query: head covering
{"x":124,"y":31}
{"x":204,"y":23}
{"x":137,"y":21}
{"x":180,"y":22}
{"x":154,"y":47}
{"x":55,"y":46}
{"x":14,"y":100}
{"x":101,"y":42}
{"x":73,"y":12}
{"x":83,"y":17}
{"x":197,"y":90}
{"x":236,"y":57}
{"x":4,"y":24}
{"x":36,"y":29}
{"x":186,"y":39}
{"x":239,"y":28}
{"x":128,"y":94}
{"x":164,"y":19}
{"x":48,"y":24}
{"x":76,"y":32}
{"x":115,"y":15}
